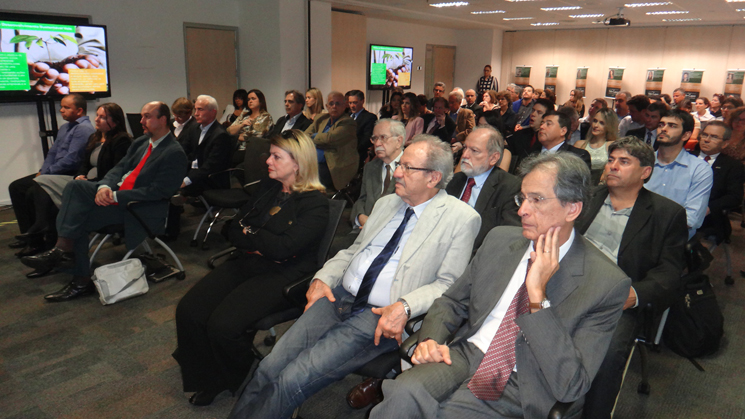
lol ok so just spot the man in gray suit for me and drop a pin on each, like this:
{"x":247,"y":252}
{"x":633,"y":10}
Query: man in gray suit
{"x":531,"y":316}
{"x":360,"y":300}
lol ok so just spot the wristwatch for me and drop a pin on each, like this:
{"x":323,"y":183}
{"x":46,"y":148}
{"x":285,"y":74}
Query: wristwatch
{"x":407,"y":309}
{"x":543,"y":304}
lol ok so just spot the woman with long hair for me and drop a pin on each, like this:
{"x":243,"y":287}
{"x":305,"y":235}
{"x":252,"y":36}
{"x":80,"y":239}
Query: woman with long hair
{"x":313,"y":103}
{"x":489,"y":102}
{"x":254,"y":121}
{"x":410,"y":117}
{"x":576,"y":101}
{"x":715,"y":105}
{"x":393,"y":107}
{"x":603,"y":130}
{"x":234,"y":111}
{"x":277,"y":234}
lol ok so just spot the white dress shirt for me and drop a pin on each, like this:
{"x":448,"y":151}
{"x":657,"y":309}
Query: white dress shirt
{"x":195,"y":163}
{"x":476,"y":190}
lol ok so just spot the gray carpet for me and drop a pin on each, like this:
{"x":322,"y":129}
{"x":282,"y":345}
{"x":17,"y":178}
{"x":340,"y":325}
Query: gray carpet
{"x":81,"y":359}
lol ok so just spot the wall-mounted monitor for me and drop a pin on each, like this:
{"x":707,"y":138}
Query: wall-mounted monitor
{"x":42,"y":59}
{"x":390,"y":67}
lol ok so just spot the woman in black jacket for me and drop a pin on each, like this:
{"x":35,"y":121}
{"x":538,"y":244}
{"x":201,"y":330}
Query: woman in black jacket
{"x":277,"y":233}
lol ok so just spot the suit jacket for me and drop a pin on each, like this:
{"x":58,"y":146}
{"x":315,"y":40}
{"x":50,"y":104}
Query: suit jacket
{"x":464,"y":124}
{"x":190,"y":123}
{"x":496,"y":201}
{"x":445,"y":233}
{"x":652,"y":245}
{"x":372,"y":189}
{"x":112,"y":151}
{"x":641,"y":133}
{"x":302,"y":123}
{"x":339,"y":145}
{"x":519,"y":145}
{"x":559,"y":349}
{"x":212,"y":154}
{"x":475,"y":108}
{"x":365,"y":124}
{"x":726,"y":193}
{"x":159,"y":178}
{"x":445,"y":133}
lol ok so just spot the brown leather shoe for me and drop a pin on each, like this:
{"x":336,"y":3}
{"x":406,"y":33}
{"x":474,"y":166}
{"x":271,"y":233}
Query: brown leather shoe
{"x":365,"y":393}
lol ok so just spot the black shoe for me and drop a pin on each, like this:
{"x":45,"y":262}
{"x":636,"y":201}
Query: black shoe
{"x":18,"y":244}
{"x":204,"y":398}
{"x":71,"y":291}
{"x":38,"y":273}
{"x":30,"y":250}
{"x":26,"y":237}
{"x":55,"y":258}
{"x":178,"y":200}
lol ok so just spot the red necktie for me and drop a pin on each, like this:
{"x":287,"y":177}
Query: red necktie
{"x":532,"y":141}
{"x":707,"y":158}
{"x":467,"y":193}
{"x":490,"y":379}
{"x":129,"y":182}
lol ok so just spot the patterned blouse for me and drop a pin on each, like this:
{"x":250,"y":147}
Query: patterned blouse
{"x":260,"y":126}
{"x":736,"y":150}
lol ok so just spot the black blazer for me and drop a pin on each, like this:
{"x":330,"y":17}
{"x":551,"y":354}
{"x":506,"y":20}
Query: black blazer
{"x":520,"y":146}
{"x":291,"y":236}
{"x":726,"y":193}
{"x":112,"y":151}
{"x":444,"y":133}
{"x":212,"y":154}
{"x":475,"y":108}
{"x":302,"y":123}
{"x":641,"y":134}
{"x":365,"y":124}
{"x":581,"y":153}
{"x":652,"y":245}
{"x":496,"y":201}
{"x":190,"y":123}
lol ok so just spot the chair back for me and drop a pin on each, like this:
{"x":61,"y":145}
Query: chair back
{"x":336,"y":207}
{"x":254,"y":162}
{"x":134,"y":125}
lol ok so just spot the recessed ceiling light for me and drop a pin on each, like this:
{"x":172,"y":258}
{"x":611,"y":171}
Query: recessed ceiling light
{"x":681,"y":20}
{"x":544,"y":24}
{"x":450,"y":4}
{"x":663,"y":3}
{"x":668,"y":12}
{"x":740,"y":10}
{"x":585,"y":16}
{"x":516,"y":1}
{"x":735,"y":1}
{"x":553,"y":9}
{"x":488,"y":12}
{"x":517,"y":18}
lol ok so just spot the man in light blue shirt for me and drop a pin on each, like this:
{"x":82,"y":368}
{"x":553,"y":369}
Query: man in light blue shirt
{"x":679,"y":175}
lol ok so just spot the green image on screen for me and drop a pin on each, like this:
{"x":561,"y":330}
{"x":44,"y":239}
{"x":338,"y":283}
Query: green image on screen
{"x":14,"y":71}
{"x":377,"y":73}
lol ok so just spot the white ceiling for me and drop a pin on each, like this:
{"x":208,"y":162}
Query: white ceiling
{"x":711,"y":12}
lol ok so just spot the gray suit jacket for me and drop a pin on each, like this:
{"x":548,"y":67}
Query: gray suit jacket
{"x":444,"y":233}
{"x":372,"y":188}
{"x":559,"y":349}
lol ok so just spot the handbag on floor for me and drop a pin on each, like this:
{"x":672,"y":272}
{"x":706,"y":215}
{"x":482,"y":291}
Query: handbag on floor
{"x":121,"y":280}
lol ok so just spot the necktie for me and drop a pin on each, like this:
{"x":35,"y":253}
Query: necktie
{"x":377,"y":265}
{"x":649,"y":137}
{"x":532,"y":141}
{"x":387,"y":181}
{"x":707,"y":158}
{"x":467,"y":193}
{"x":129,"y":182}
{"x":490,"y":379}
{"x":434,"y":127}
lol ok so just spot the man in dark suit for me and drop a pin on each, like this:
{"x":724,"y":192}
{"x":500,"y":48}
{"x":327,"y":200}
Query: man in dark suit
{"x":471,"y":103}
{"x":483,"y":185}
{"x":294,"y":118}
{"x":652,"y":116}
{"x":540,"y":300}
{"x":151,"y":172}
{"x":365,"y":122}
{"x":645,"y":234}
{"x":438,"y":90}
{"x":524,"y":142}
{"x":554,"y":133}
{"x":438,"y":123}
{"x":182,"y":109}
{"x":726,"y":192}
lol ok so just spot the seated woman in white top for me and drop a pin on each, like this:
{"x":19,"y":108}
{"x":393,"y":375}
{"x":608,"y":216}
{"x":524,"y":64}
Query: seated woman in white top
{"x":603,"y":131}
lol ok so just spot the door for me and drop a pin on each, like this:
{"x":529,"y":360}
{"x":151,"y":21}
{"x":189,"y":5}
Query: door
{"x":211,"y":62}
{"x":440,"y":66}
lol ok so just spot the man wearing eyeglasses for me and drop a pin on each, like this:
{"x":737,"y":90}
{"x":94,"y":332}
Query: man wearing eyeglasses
{"x":414,"y":245}
{"x":439,"y":91}
{"x":335,"y":136}
{"x":645,"y":234}
{"x":528,"y":322}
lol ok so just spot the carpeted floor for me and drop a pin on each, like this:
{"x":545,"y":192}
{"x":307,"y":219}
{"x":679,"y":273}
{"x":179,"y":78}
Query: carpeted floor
{"x":83,"y":360}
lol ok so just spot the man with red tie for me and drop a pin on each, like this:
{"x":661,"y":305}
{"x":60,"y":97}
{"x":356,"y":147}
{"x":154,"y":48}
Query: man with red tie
{"x":529,"y":321}
{"x":152,"y":171}
{"x":483,"y":185}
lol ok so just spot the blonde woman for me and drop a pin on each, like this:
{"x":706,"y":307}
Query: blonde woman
{"x":603,"y":130}
{"x":313,"y":103}
{"x":576,"y":101}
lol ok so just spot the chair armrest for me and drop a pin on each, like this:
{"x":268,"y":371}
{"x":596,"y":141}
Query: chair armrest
{"x":226,"y":171}
{"x":130,"y":208}
{"x":295,"y":292}
{"x":414,"y":324}
{"x":211,"y":261}
{"x":559,"y":410}
{"x":406,"y":350}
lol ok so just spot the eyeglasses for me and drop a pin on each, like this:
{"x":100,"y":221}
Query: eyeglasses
{"x":713,"y":137}
{"x":407,"y":169}
{"x":374,"y":139}
{"x":533,"y":200}
{"x":330,"y":104}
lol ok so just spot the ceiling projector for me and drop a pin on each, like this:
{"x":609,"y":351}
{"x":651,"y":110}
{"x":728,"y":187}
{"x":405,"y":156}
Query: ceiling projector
{"x":617,"y":19}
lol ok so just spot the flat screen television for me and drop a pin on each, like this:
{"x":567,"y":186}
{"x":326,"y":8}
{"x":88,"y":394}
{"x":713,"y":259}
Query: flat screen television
{"x":390,"y":67}
{"x":51,"y":56}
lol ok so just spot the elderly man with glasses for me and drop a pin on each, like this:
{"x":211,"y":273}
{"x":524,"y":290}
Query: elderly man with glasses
{"x":360,"y":300}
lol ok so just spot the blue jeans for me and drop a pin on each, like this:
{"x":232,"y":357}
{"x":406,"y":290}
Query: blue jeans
{"x":326,"y":344}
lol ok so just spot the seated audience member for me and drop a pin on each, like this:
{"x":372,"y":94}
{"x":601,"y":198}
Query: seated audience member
{"x":63,"y":158}
{"x":505,"y":113}
{"x":361,"y":299}
{"x":515,"y":92}
{"x":604,"y":131}
{"x":208,"y":148}
{"x":679,"y":96}
{"x":335,"y":136}
{"x":393,"y":107}
{"x":652,"y":116}
{"x":293,"y":117}
{"x":687,"y":105}
{"x":645,"y":234}
{"x":524,"y":142}
{"x":586,"y":122}
{"x":573,"y":116}
{"x":577,"y":102}
{"x":541,"y":301}
{"x":736,"y":121}
{"x":726,"y":192}
{"x":313,"y":104}
{"x":553,"y":134}
{"x":548,"y":94}
{"x":621,"y":104}
{"x":105,"y":148}
{"x":715,"y":105}
{"x":438,"y":123}
{"x":365,"y":122}
{"x":182,"y":109}
{"x":438,"y":90}
{"x":523,"y":108}
{"x":471,"y":103}
{"x":410,"y":117}
{"x":483,"y":185}
{"x":489,"y":102}
{"x":234,"y":111}
{"x":255,"y":121}
{"x":667,"y":100}
{"x":486,"y":82}
{"x":702,"y":113}
{"x":635,"y":119}
{"x":277,"y":233}
{"x":152,"y":170}
{"x":463,"y":118}
{"x":678,"y":175}
{"x":422,"y":101}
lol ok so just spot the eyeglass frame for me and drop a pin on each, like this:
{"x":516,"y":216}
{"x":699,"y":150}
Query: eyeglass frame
{"x":533,"y":201}
{"x":407,"y":169}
